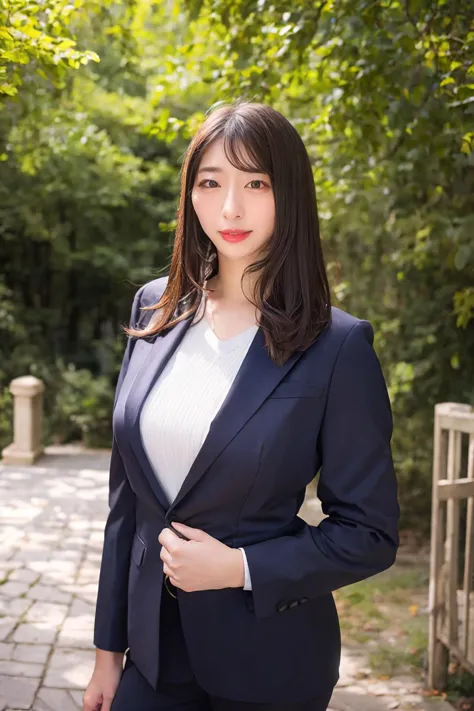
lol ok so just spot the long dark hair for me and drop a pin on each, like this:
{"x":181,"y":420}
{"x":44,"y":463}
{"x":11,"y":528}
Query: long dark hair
{"x":291,"y":291}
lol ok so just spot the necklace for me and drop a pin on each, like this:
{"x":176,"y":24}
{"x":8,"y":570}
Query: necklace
{"x":210,"y":309}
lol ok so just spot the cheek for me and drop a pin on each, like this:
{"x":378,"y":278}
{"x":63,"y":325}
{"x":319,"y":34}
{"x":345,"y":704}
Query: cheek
{"x":195,"y":202}
{"x":203,"y":207}
{"x":266,"y":214}
{"x":272,"y":214}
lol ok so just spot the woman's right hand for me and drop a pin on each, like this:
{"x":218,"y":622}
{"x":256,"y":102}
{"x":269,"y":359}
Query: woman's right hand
{"x":104,"y":681}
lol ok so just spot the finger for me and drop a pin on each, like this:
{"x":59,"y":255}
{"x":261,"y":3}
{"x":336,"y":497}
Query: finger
{"x":168,"y":571}
{"x":194,"y":534}
{"x":106,"y":704}
{"x":164,"y":536}
{"x":167,"y":559}
{"x":165,"y":556}
{"x":168,"y":540}
{"x":91,"y":705}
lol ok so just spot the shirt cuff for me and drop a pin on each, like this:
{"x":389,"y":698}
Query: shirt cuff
{"x":247,"y":582}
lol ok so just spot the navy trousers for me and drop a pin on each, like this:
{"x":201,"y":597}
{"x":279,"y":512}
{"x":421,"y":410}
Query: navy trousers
{"x":177,"y":687}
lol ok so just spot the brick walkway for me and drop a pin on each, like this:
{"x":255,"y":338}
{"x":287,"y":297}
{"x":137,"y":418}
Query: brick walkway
{"x":51,"y":537}
{"x":51,"y":531}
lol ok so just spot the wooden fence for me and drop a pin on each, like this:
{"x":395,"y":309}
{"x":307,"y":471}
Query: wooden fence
{"x":451,"y":595}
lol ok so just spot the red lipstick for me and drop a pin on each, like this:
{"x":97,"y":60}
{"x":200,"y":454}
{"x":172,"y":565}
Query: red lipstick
{"x":234,"y":235}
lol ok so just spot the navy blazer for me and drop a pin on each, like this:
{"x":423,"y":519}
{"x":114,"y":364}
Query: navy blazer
{"x":325,"y":409}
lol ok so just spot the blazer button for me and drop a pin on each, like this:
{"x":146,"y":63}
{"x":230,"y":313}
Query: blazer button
{"x":282,"y":607}
{"x":294,"y":603}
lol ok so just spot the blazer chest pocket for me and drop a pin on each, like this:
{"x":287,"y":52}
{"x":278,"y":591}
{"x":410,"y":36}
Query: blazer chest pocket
{"x":138,"y":550}
{"x":297,"y":388}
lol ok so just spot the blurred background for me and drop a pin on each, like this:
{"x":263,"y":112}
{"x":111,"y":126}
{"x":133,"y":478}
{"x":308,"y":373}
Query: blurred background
{"x":98,"y":101}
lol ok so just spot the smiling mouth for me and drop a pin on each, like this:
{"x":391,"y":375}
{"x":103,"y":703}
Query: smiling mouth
{"x":234,"y":235}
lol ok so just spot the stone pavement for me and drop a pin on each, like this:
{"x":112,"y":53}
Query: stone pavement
{"x":52,"y":517}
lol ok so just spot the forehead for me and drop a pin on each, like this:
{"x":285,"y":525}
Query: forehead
{"x":214,"y":155}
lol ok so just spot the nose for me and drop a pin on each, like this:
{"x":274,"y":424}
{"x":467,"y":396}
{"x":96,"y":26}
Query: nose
{"x":232,"y":207}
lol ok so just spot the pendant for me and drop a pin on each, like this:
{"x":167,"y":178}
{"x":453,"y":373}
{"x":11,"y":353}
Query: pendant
{"x":167,"y":577}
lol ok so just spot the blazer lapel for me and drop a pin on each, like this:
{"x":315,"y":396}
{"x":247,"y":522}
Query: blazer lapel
{"x":159,"y":352}
{"x":255,"y":380}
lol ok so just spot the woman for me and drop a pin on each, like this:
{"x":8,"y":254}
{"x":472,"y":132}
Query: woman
{"x":238,"y":384}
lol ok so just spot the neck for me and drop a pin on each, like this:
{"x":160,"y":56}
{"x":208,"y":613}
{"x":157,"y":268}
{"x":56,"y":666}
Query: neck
{"x":228,"y":285}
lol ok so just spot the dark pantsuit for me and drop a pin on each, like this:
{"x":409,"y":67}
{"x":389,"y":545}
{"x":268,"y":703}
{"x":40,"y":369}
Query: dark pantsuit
{"x":136,"y":693}
{"x":277,"y":646}
{"x":177,"y":687}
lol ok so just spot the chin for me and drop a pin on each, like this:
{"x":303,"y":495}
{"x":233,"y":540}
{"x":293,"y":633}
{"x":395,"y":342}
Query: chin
{"x":236,"y":251}
{"x":248,"y":247}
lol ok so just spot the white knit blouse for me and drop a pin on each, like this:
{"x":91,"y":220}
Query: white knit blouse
{"x":179,"y":409}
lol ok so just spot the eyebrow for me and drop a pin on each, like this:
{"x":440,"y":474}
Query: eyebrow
{"x":210,"y":169}
{"x":216,"y":169}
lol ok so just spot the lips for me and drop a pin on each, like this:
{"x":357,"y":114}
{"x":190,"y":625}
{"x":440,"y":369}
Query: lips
{"x":234,"y":235}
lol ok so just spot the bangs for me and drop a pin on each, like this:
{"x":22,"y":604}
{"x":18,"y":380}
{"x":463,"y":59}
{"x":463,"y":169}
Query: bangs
{"x":243,"y":149}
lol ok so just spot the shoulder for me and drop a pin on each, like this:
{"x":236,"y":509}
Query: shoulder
{"x":346,"y":342}
{"x":152,"y":291}
{"x":343,"y":357}
{"x":148,"y":294}
{"x":355,"y":362}
{"x":344,"y":328}
{"x":356,"y":379}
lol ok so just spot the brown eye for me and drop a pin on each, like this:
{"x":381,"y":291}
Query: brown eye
{"x":259,"y":182}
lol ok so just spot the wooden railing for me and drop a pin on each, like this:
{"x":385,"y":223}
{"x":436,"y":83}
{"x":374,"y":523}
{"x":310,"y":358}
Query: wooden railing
{"x":451,"y":595}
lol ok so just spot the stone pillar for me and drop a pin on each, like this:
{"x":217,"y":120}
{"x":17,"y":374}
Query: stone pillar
{"x":27,"y":443}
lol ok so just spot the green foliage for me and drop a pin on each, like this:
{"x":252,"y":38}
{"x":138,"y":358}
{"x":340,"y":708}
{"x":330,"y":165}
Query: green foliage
{"x":383,"y":96}
{"x":34,"y":36}
{"x":6,"y":416}
{"x":459,"y":682}
{"x":82,"y":408}
{"x":83,"y":192}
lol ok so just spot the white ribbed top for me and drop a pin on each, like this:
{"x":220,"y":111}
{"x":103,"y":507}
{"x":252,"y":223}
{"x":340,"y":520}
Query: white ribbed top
{"x":178,"y":411}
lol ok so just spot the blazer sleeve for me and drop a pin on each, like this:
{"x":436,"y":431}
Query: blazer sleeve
{"x":357,"y":488}
{"x":110,"y":627}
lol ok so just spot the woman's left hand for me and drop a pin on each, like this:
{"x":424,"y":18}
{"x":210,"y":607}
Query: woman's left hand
{"x":202,"y":563}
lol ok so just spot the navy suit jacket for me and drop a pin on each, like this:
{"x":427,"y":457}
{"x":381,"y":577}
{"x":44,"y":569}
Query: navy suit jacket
{"x":325,"y":409}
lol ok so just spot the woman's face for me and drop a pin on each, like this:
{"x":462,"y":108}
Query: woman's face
{"x":226,"y":198}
